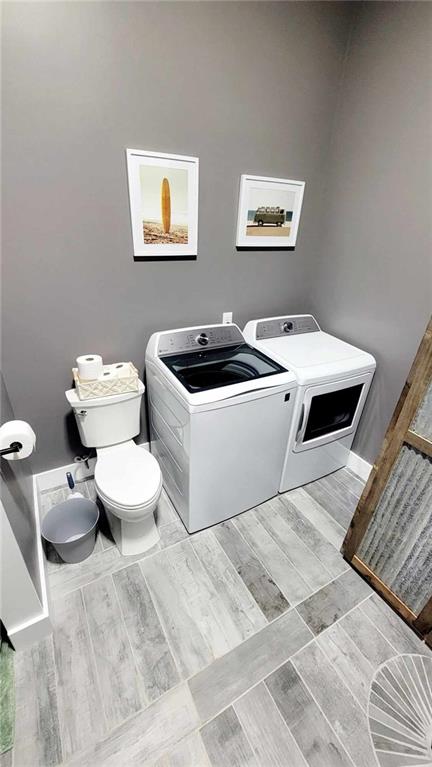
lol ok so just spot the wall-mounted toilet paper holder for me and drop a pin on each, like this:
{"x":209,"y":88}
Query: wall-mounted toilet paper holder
{"x":14,"y":447}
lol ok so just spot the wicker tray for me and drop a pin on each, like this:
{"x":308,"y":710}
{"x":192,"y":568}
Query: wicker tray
{"x":114,"y":384}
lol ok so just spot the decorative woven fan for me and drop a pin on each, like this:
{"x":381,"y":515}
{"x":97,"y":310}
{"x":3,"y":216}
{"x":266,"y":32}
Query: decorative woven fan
{"x":400,"y":712}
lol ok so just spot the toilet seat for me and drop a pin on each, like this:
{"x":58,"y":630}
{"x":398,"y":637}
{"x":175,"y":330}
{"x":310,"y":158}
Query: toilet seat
{"x":128,"y":478}
{"x":130,"y":513}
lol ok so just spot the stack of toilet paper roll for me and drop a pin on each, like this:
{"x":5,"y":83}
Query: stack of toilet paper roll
{"x":90,"y":368}
{"x":117,"y":370}
{"x":94,"y":379}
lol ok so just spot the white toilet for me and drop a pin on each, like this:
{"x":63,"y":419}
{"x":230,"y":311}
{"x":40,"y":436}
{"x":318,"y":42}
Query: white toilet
{"x":128,"y":479}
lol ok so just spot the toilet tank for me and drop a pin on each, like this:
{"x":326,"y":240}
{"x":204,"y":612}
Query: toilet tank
{"x":107,"y":421}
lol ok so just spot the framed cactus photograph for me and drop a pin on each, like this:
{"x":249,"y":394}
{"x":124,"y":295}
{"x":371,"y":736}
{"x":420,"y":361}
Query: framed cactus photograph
{"x":269,"y":212}
{"x":163,"y":196}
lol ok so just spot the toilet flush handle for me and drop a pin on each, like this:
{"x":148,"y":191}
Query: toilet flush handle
{"x":82,"y":413}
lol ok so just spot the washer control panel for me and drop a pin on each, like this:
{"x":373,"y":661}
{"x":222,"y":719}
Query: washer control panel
{"x":178,"y":341}
{"x":286,"y":326}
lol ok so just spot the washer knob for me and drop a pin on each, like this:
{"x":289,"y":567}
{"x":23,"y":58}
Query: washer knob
{"x":202,"y":339}
{"x":287,"y":326}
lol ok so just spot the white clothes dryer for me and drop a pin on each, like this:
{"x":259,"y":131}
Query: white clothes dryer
{"x":220,"y":414}
{"x":334,"y":378}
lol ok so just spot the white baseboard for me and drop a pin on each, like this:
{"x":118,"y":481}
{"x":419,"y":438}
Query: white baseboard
{"x":41,"y":557}
{"x":26,"y":634}
{"x":359,"y":466}
{"x":28,"y":630}
{"x":48,"y":480}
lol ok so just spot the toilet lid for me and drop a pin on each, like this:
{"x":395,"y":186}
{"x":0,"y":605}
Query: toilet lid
{"x":128,"y":477}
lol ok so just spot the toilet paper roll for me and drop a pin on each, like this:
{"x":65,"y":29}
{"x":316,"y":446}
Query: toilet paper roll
{"x":108,"y":374}
{"x":17,"y":431}
{"x":90,"y":366}
{"x":121,"y":369}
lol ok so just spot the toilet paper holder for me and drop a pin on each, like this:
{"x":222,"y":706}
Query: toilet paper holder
{"x":14,"y":447}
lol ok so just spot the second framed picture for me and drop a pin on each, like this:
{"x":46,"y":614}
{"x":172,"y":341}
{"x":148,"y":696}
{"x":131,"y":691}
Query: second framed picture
{"x":269,"y":212}
{"x":163,"y":194}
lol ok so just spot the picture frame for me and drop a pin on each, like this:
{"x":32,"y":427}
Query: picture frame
{"x":269,"y":212}
{"x":163,"y":199}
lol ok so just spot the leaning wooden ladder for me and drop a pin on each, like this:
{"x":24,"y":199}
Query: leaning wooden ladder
{"x":389,"y":540}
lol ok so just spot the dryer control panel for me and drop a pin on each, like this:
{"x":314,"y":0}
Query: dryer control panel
{"x":194,"y":339}
{"x":286,"y":326}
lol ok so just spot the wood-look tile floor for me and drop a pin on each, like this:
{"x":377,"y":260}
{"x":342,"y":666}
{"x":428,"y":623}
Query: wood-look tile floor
{"x":251,"y":643}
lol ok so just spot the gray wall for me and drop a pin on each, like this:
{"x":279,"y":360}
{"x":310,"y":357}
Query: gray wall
{"x":372,"y":280}
{"x":247,"y":87}
{"x":266,"y":88}
{"x":16,"y":494}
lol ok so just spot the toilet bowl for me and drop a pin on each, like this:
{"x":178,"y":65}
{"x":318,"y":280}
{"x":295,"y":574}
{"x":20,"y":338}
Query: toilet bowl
{"x":128,"y":481}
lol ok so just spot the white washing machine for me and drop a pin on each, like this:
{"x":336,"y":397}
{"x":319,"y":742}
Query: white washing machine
{"x":220,"y":414}
{"x":334,"y":379}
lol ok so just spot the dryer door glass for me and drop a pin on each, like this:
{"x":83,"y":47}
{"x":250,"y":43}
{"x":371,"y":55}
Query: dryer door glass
{"x":332,"y":411}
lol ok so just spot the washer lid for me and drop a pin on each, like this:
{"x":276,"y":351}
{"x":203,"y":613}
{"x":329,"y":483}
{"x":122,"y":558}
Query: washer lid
{"x":127,"y":476}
